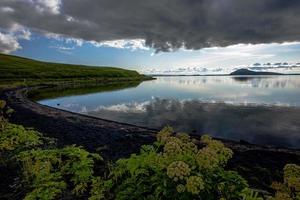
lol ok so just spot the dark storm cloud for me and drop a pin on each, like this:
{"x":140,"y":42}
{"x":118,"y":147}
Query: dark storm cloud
{"x":164,"y":24}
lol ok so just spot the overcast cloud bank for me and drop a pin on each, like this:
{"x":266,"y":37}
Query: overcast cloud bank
{"x":164,"y":25}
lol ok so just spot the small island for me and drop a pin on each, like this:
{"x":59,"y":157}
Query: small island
{"x":249,"y":72}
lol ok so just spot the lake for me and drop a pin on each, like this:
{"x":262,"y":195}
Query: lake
{"x":259,"y":109}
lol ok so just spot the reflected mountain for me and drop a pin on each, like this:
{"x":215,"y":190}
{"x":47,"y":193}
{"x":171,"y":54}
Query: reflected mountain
{"x":243,"y":78}
{"x":268,"y":81}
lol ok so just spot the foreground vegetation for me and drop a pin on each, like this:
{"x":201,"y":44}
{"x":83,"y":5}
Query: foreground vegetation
{"x":15,"y":71}
{"x":174,"y":167}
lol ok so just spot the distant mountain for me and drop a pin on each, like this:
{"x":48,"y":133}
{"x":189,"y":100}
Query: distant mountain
{"x":249,"y":72}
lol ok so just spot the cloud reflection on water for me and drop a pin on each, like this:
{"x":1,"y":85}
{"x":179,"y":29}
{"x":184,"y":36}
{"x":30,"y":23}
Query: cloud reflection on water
{"x":256,"y":124}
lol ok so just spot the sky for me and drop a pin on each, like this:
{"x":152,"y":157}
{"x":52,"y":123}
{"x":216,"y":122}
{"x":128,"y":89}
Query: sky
{"x":157,"y":36}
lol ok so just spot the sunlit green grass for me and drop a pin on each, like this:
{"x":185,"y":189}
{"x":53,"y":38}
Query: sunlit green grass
{"x":15,"y":71}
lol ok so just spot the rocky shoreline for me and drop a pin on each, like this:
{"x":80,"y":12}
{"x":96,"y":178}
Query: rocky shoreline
{"x":116,"y":140}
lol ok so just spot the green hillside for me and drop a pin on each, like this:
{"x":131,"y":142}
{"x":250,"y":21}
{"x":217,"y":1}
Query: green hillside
{"x":15,"y":69}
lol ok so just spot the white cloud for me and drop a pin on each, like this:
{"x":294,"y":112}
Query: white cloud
{"x":125,"y":107}
{"x":9,"y":40}
{"x":51,"y":6}
{"x":8,"y":43}
{"x":77,"y":42}
{"x":132,"y":44}
{"x":20,"y":32}
{"x":224,"y":58}
{"x":68,"y":40}
{"x":63,"y":49}
{"x":7,"y":9}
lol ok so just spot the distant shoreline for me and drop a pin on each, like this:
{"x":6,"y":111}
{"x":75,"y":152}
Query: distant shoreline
{"x":159,"y":75}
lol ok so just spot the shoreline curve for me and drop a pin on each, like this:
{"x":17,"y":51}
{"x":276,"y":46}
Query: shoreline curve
{"x":75,"y":128}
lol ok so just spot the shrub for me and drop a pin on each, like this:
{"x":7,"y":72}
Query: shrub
{"x":5,"y":111}
{"x":15,"y":139}
{"x":174,"y":168}
{"x":48,"y":172}
{"x":290,"y":188}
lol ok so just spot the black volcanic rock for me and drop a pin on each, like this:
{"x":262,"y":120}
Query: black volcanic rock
{"x":249,"y":72}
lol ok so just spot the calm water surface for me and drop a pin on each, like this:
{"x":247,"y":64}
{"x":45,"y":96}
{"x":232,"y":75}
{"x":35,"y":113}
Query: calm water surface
{"x":261,"y":110}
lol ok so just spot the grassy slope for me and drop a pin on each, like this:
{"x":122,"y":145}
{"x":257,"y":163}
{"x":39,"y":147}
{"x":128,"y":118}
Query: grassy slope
{"x":15,"y":69}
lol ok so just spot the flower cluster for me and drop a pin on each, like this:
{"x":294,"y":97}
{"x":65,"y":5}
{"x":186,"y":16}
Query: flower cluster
{"x":184,"y":137}
{"x":180,"y":188}
{"x":178,"y":170}
{"x":173,"y":147}
{"x":214,"y":154}
{"x":186,"y":143}
{"x":206,"y":158}
{"x":189,"y":147}
{"x":194,"y":184}
{"x":163,"y":135}
{"x":179,"y":144}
